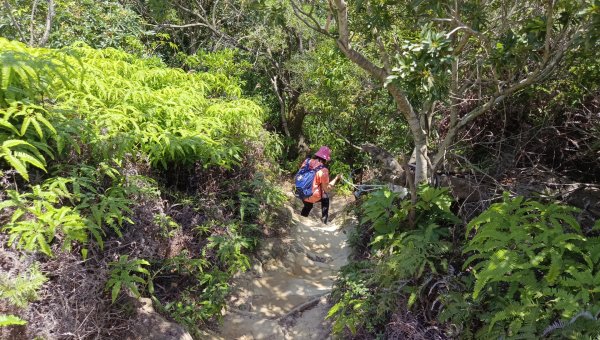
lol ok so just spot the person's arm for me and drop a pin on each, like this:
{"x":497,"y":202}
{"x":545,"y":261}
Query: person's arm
{"x":334,"y":182}
{"x":331,"y":184}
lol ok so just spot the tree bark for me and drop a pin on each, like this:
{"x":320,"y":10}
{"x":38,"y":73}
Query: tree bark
{"x":404,"y":106}
{"x":49,"y":17}
{"x":295,"y":122}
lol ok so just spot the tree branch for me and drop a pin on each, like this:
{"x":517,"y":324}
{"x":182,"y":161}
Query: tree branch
{"x":309,"y":20}
{"x":282,"y":110}
{"x":382,"y":52}
{"x":32,"y":23}
{"x":549,"y":24}
{"x":49,"y":17}
{"x":14,"y":21}
{"x":343,"y":42}
{"x":194,"y":24}
{"x":499,"y":96}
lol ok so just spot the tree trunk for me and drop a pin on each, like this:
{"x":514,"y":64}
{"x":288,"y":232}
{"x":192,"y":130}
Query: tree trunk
{"x":419,"y":135}
{"x":295,"y":121}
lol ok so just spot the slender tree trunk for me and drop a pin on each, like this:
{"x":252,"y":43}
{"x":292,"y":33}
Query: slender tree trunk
{"x":295,"y":122}
{"x":49,"y":17}
{"x":419,"y":135}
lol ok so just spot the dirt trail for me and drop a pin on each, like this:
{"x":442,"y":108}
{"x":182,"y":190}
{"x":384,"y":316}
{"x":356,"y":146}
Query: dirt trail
{"x":284,"y":296}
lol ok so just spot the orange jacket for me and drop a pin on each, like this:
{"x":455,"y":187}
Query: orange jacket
{"x":320,"y":183}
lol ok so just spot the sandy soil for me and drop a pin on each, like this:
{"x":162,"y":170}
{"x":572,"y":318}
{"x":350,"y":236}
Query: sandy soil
{"x":285,"y":295}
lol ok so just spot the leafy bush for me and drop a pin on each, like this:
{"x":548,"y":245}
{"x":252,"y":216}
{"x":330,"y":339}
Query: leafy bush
{"x":229,"y":250}
{"x":22,"y":289}
{"x":19,"y":291}
{"x":38,"y":218}
{"x":126,"y":273}
{"x":204,"y":291}
{"x":404,"y":262}
{"x":80,"y":125}
{"x":532,"y":265}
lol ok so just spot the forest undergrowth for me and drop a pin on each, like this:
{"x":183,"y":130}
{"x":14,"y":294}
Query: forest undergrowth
{"x":123,"y":178}
{"x":511,"y":258}
{"x":150,"y":175}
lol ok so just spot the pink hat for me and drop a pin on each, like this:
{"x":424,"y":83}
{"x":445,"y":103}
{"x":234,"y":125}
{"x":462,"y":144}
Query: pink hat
{"x":324,"y":153}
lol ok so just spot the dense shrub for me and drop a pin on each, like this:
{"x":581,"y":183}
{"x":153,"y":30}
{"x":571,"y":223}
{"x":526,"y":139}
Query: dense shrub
{"x":90,"y":141}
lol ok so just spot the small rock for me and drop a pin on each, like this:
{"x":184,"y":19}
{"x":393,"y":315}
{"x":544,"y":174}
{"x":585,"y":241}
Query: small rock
{"x":258,"y":269}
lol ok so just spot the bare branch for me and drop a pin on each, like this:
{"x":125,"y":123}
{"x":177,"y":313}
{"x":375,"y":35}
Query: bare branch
{"x":499,"y":96}
{"x":32,"y":23}
{"x":14,"y":21}
{"x":309,"y":20}
{"x":49,"y":17}
{"x":282,"y":110}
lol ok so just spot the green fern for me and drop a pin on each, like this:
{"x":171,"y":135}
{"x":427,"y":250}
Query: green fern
{"x":23,"y":289}
{"x":229,"y":250}
{"x":128,"y":274}
{"x":534,"y":257}
{"x":11,"y":320}
{"x":403,"y":262}
{"x":18,"y":154}
{"x":38,"y":217}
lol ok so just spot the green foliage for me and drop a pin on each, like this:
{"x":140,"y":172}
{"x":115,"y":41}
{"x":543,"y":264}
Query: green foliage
{"x":27,"y":74}
{"x":354,"y":300}
{"x":403,"y":262}
{"x":229,"y":250}
{"x":23,"y":289}
{"x":99,"y":23}
{"x":202,"y":302}
{"x":343,"y":102}
{"x":532,"y":264}
{"x":25,"y":129}
{"x":382,"y":211}
{"x":385,"y":213}
{"x":163,"y":113}
{"x":128,"y":274}
{"x":11,"y":320}
{"x":19,"y":291}
{"x":202,"y":298}
{"x":70,"y":118}
{"x":105,"y":205}
{"x":41,"y":214}
{"x":118,"y":106}
{"x":423,"y":66}
{"x":167,"y":225}
{"x":38,"y":217}
{"x":166,"y":114}
{"x":18,"y":154}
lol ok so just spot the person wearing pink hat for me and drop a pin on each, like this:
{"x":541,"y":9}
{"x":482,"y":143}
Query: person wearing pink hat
{"x":321,"y":185}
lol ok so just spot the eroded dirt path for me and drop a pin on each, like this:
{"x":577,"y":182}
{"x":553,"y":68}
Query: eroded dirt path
{"x":284,"y":296}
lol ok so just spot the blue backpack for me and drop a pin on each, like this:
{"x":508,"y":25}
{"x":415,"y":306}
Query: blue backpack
{"x":304,"y":180}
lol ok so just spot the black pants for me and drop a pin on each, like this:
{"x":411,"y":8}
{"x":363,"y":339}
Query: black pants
{"x":324,"y":209}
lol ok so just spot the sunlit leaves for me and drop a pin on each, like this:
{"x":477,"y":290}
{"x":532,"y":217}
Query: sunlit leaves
{"x":127,"y":274}
{"x":11,"y":320}
{"x":535,"y":255}
{"x":422,"y":67}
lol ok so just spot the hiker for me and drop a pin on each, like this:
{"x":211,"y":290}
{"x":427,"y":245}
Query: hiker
{"x":321,"y":186}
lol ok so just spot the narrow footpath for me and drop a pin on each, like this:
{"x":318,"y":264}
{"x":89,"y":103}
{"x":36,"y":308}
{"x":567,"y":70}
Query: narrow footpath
{"x":285,"y":295}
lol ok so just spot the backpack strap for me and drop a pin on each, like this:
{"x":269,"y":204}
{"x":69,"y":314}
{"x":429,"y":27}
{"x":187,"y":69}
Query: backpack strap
{"x":307,"y":164}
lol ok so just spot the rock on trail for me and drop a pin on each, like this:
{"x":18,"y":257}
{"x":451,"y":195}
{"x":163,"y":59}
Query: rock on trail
{"x":284,"y":295}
